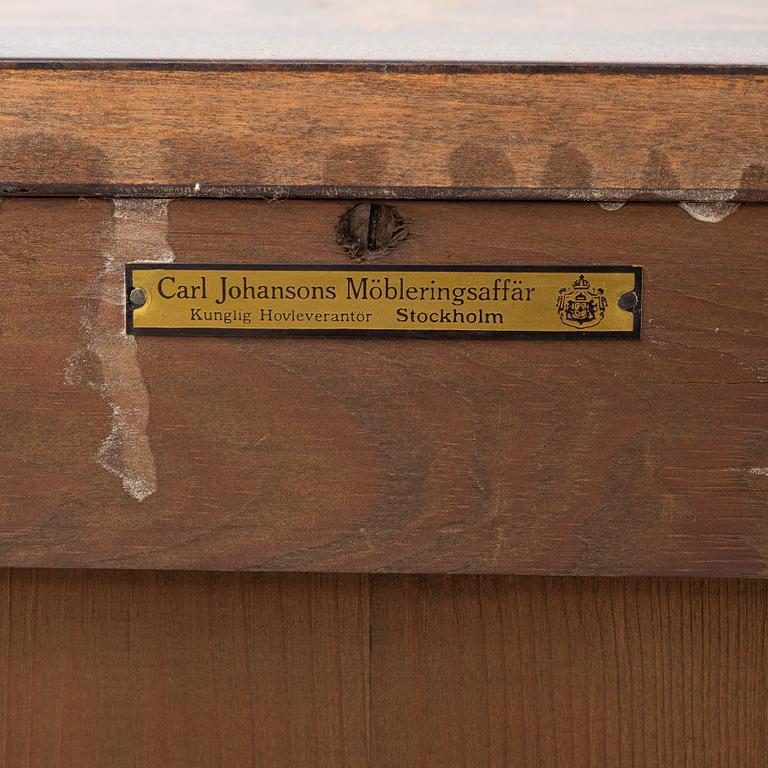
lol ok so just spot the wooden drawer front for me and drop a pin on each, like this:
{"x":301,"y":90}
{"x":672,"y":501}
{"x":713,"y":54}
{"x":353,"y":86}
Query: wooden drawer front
{"x":522,"y":456}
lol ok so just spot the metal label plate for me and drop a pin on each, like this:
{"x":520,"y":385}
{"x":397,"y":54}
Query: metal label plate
{"x":440,"y":300}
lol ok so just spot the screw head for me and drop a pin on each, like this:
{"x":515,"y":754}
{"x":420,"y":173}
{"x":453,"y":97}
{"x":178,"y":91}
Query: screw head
{"x":628,"y":301}
{"x":137,"y":297}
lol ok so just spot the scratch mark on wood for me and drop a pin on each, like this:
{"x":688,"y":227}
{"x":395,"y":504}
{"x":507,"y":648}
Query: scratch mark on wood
{"x":109,"y":362}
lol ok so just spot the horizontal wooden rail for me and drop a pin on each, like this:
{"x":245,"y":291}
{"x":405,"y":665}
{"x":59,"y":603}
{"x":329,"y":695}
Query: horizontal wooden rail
{"x":388,"y":131}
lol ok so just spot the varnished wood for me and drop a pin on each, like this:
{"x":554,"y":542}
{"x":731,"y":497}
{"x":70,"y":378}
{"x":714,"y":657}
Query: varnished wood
{"x":173,"y":670}
{"x":637,"y":673}
{"x":115,"y":669}
{"x":334,"y":132}
{"x":592,"y":457}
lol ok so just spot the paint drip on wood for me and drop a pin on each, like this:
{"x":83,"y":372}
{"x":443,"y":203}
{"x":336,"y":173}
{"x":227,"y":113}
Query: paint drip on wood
{"x":108,"y":362}
{"x":709,"y":213}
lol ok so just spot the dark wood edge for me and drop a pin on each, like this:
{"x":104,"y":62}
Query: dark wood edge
{"x":389,"y":67}
{"x":335,"y":192}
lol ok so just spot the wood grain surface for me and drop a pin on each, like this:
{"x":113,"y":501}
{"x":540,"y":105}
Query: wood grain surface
{"x":389,"y":131}
{"x":192,"y":670}
{"x":119,"y":669}
{"x":477,"y":672}
{"x":554,"y":456}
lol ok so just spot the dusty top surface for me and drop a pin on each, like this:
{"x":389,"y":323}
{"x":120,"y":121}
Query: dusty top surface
{"x":556,"y":31}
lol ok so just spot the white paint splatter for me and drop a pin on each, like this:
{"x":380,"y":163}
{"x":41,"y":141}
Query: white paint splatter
{"x":109,"y":360}
{"x":758,"y":471}
{"x":611,"y":206}
{"x":709,"y":213}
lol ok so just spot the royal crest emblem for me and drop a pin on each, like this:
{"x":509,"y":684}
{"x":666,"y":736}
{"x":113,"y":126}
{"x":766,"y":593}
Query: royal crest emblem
{"x":581,"y":305}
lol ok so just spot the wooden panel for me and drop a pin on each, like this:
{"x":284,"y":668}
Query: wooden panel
{"x":115,"y":669}
{"x":482,"y":672}
{"x":144,"y":669}
{"x":594,"y":457}
{"x":387,"y":131}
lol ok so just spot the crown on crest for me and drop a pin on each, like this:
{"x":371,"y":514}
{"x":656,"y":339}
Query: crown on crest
{"x":581,"y":282}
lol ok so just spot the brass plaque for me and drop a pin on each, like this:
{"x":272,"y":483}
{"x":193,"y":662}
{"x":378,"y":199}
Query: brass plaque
{"x":443,"y":301}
